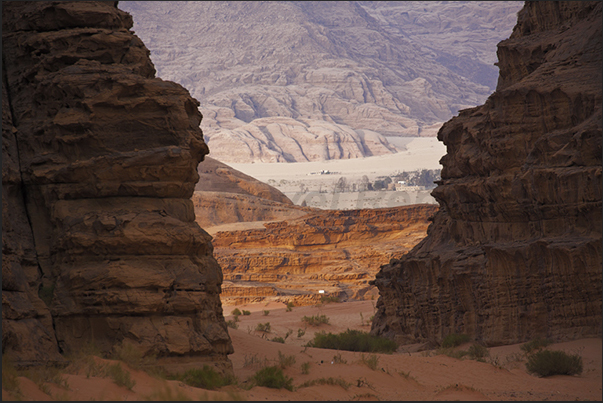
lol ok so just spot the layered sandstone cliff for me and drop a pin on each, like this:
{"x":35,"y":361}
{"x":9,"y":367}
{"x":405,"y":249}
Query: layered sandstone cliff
{"x":334,"y":251}
{"x":100,"y":162}
{"x":515,"y":250}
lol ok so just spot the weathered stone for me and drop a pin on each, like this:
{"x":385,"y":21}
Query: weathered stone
{"x":334,"y":251}
{"x":107,"y":160}
{"x":515,"y":250}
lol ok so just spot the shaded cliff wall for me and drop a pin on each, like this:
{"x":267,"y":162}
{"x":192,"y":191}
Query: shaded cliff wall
{"x":99,"y":165}
{"x":515,"y":250}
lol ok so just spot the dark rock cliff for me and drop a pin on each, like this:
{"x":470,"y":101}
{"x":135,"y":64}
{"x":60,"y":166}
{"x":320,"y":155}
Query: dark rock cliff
{"x":100,"y":162}
{"x":515,"y":249}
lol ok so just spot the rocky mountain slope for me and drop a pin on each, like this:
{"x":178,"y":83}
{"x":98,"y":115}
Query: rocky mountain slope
{"x":306,"y":81}
{"x":100,"y":162}
{"x":515,"y":250}
{"x":335,"y":251}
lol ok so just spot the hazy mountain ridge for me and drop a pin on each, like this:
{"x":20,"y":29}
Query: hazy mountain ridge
{"x":331,"y":66}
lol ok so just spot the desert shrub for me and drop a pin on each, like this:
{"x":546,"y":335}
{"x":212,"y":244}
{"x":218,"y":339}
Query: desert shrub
{"x":289,"y":331}
{"x":119,"y":376}
{"x":263,"y":327}
{"x":266,"y":313}
{"x":285,"y":361}
{"x":477,"y":352}
{"x":300,"y":333}
{"x":450,"y":352}
{"x":206,"y":378}
{"x":315,"y":320}
{"x":134,"y":357}
{"x":327,"y":299}
{"x":47,"y":374}
{"x":254,"y":360}
{"x":547,"y":363}
{"x":246,"y":313}
{"x":235,"y":312}
{"x":232,"y":324}
{"x":353,"y":340}
{"x":327,"y":381}
{"x":272,"y":377}
{"x":289,"y":306}
{"x":305,"y":368}
{"x":371,"y":361}
{"x":278,"y":340}
{"x":454,"y":339}
{"x":536,"y":344}
{"x":338,"y":359}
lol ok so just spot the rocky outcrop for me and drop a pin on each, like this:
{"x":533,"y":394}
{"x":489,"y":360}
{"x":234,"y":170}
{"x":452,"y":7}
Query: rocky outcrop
{"x":213,"y":209}
{"x":215,"y":176}
{"x":100,"y":161}
{"x":288,"y":81}
{"x":334,"y":251}
{"x":224,"y":195}
{"x":515,"y":250}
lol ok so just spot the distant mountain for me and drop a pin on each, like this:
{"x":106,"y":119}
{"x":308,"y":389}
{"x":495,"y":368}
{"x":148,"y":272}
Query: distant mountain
{"x":304,"y":81}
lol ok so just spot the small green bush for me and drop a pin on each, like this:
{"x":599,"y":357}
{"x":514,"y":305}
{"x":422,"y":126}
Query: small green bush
{"x":232,"y":324}
{"x":285,"y":361}
{"x":235,"y":312}
{"x":353,"y":340}
{"x":206,"y":378}
{"x":547,"y":363}
{"x":263,"y":327}
{"x":478,"y":352}
{"x":278,"y":340}
{"x":453,"y":340}
{"x":371,"y":361}
{"x":450,"y":352}
{"x":266,"y":313}
{"x":305,"y":368}
{"x":246,"y":313}
{"x":300,"y":333}
{"x":289,"y":306}
{"x":272,"y":377}
{"x":338,"y":359}
{"x":536,"y":344}
{"x":120,"y":377}
{"x":315,"y":320}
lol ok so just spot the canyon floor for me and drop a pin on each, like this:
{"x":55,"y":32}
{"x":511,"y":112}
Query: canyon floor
{"x":403,"y":375}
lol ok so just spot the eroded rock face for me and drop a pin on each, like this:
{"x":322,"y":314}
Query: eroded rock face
{"x":515,"y":250}
{"x":104,"y":156}
{"x":336,"y":251}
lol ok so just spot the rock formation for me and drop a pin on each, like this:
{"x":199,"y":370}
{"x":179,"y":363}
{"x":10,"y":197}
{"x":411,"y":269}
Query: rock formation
{"x":515,"y":250}
{"x":224,"y":195}
{"x":336,"y":251}
{"x":286,"y":81}
{"x":100,"y":162}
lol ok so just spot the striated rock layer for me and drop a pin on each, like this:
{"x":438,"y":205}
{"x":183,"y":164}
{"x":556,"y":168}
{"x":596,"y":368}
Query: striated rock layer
{"x":515,"y":250}
{"x":334,"y":251}
{"x":100,"y":158}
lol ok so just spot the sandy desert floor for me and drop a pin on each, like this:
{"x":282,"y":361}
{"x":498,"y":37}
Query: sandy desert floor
{"x":403,"y":375}
{"x":419,"y":153}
